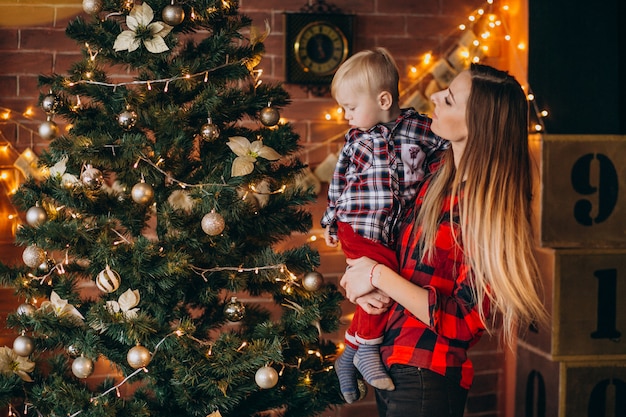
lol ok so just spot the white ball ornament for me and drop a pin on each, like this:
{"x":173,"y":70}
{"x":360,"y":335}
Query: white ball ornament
{"x":108,"y":280}
{"x":312,"y":281}
{"x":33,"y":256}
{"x":213,"y":223}
{"x":48,"y":130}
{"x":92,"y":6}
{"x":23,"y":345}
{"x":142,"y":193}
{"x":82,"y":367}
{"x":266,"y":377}
{"x":138,"y":357}
{"x":36,"y":216}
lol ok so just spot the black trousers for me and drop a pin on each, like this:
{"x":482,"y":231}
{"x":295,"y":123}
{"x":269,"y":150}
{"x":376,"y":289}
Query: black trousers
{"x":420,"y":393}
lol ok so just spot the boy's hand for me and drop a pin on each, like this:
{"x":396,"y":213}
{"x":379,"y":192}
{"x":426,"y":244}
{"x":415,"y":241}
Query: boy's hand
{"x":330,"y":240}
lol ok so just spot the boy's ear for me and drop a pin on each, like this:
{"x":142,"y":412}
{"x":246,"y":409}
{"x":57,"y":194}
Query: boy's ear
{"x":385,"y":100}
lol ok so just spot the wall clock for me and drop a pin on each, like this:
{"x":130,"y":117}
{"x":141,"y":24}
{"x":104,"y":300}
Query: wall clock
{"x":317,"y":42}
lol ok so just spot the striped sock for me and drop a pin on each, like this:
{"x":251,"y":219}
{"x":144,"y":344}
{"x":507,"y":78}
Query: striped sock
{"x":346,"y":372}
{"x":367,"y":360}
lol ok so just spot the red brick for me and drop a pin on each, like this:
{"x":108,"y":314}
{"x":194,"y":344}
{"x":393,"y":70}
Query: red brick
{"x":42,"y":38}
{"x":8,"y":86}
{"x":27,"y":62}
{"x":8,"y":39}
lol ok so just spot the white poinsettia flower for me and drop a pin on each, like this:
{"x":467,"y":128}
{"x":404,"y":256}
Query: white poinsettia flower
{"x":58,"y":169}
{"x":141,"y":29}
{"x":60,"y":307}
{"x":125,"y":304}
{"x":12,"y":363}
{"x":247,"y":154}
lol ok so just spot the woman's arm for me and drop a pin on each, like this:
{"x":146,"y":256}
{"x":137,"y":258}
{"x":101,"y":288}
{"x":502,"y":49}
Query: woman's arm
{"x":365,"y":275}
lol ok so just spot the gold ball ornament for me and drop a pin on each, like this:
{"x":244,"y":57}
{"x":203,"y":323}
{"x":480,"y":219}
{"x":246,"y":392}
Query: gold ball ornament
{"x":138,"y":357}
{"x":209,"y":131}
{"x":33,"y":256}
{"x":142,"y":193}
{"x":48,"y":130}
{"x":312,"y":281}
{"x":127,"y":119}
{"x":23,"y":345}
{"x":266,"y":377}
{"x":234,"y":310}
{"x":50,"y":103}
{"x":173,"y":15}
{"x":108,"y":280}
{"x":26,"y":309}
{"x":269,"y":116}
{"x":92,"y":6}
{"x":36,"y":216}
{"x":82,"y":367}
{"x":213,"y":223}
{"x":92,"y":177}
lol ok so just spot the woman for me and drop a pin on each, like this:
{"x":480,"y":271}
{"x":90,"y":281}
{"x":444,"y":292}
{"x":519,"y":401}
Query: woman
{"x":465,"y":250}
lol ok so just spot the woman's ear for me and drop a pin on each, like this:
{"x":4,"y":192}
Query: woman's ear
{"x":385,"y":100}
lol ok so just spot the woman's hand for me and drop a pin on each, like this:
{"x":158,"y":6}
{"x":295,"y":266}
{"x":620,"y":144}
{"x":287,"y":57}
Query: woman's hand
{"x":356,"y":279}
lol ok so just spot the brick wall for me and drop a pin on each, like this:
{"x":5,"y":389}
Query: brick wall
{"x":33,"y":42}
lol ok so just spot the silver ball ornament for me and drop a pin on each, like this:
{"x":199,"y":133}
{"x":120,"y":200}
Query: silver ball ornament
{"x":209,"y":131}
{"x":36,"y":216}
{"x":82,"y":367}
{"x":312,"y":281}
{"x":108,"y":280}
{"x":26,"y":309}
{"x":173,"y":15}
{"x":127,"y":119}
{"x":266,"y":377}
{"x":73,"y":351}
{"x":92,"y":177}
{"x":23,"y":345}
{"x":142,"y":193}
{"x":48,"y":130}
{"x":92,"y":6}
{"x":50,"y":103}
{"x":213,"y":223}
{"x":234,"y":310}
{"x":47,"y":265}
{"x":33,"y":256}
{"x":269,"y":116}
{"x":138,"y":357}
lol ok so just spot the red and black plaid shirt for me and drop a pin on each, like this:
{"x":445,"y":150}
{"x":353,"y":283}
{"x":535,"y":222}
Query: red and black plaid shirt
{"x":455,"y":325}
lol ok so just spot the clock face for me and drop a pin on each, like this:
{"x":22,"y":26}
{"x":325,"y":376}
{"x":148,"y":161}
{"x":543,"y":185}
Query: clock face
{"x":320,"y":48}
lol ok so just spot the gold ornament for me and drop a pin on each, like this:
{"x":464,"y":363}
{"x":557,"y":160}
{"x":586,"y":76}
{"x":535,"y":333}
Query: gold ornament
{"x":213,"y":223}
{"x":23,"y":345}
{"x":36,"y":216}
{"x":138,"y":357}
{"x":48,"y":130}
{"x":92,"y":6}
{"x":127,"y":119}
{"x":312,"y":281}
{"x":269,"y":116}
{"x":266,"y":377}
{"x":234,"y":310}
{"x":142,"y":193}
{"x":209,"y":131}
{"x":173,"y":14}
{"x":108,"y":280}
{"x":82,"y":367}
{"x":92,"y":177}
{"x":50,"y":103}
{"x":25,"y":309}
{"x":33,"y":256}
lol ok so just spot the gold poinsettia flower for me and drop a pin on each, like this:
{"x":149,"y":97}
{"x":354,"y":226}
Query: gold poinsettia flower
{"x":247,"y":154}
{"x":12,"y":363}
{"x":60,"y":307}
{"x":141,"y":29}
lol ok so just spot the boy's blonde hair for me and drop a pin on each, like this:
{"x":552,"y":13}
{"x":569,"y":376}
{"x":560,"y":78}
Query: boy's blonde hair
{"x":371,"y":71}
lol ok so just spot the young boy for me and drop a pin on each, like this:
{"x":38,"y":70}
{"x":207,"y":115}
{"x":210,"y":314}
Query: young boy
{"x":378,"y":171}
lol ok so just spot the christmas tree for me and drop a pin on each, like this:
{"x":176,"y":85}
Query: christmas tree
{"x":169,"y":198}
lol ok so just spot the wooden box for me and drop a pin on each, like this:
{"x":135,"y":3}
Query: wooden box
{"x":546,"y":388}
{"x":583,"y":198}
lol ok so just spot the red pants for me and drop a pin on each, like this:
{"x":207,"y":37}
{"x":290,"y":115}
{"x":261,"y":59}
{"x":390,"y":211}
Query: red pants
{"x":365,"y":328}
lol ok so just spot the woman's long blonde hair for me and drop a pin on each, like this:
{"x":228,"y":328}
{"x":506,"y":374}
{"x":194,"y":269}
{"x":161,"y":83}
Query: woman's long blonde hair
{"x":494,"y":177}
